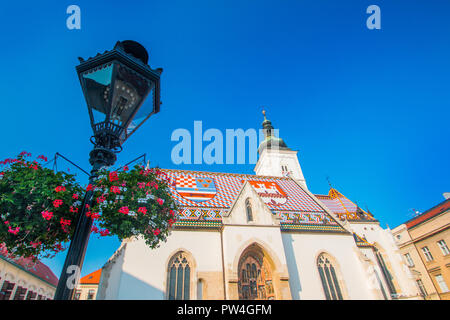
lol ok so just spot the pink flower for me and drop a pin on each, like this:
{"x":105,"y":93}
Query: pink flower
{"x":141,"y":185}
{"x":124,"y":210}
{"x":35,"y":244}
{"x":142,"y":210}
{"x":75,"y":196}
{"x":13,"y":231}
{"x":6,"y":222}
{"x":160,"y":201}
{"x":47,"y":215}
{"x":57,"y":203}
{"x":172,"y":213}
{"x":156,"y":231}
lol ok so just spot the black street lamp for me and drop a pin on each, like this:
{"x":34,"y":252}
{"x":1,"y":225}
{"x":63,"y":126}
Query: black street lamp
{"x":115,"y":85}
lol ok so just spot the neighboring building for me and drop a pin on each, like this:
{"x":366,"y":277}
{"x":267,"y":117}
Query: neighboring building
{"x":88,"y":286}
{"x":23,"y":279}
{"x":263,"y":236}
{"x":424,"y":242}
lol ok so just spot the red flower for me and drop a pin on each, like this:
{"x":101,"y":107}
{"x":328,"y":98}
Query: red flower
{"x":89,"y":187}
{"x":124,"y":210}
{"x":94,"y":229}
{"x":115,"y":189}
{"x":104,"y":232}
{"x":60,"y":188}
{"x":100,"y":199}
{"x":75,"y":196}
{"x":160,"y":201}
{"x":113,"y":176}
{"x":156,"y":231}
{"x":142,"y":210}
{"x":93,"y":215}
{"x":73,"y":210}
{"x":6,"y":222}
{"x":57,"y":203}
{"x":125,"y":168}
{"x":42,"y":157}
{"x":47,"y":215}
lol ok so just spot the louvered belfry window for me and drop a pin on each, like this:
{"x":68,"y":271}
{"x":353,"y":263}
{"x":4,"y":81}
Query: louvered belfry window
{"x":179,"y":278}
{"x":329,"y":278}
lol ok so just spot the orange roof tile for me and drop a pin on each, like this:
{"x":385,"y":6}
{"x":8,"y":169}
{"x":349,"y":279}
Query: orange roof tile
{"x":430,"y":213}
{"x":92,"y":278}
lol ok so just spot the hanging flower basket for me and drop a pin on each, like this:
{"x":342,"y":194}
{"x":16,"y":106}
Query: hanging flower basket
{"x":35,"y":220}
{"x":39,"y":208}
{"x":131,"y":203}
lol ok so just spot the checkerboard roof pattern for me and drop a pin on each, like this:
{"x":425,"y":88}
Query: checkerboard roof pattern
{"x":228,"y":186}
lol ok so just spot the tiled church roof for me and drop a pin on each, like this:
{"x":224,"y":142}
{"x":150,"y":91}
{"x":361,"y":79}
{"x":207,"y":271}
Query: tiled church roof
{"x":283,"y":196}
{"x":37,"y":268}
{"x":337,"y":203}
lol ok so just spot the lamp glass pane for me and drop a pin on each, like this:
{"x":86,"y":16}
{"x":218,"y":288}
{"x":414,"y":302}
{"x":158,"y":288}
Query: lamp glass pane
{"x":130,"y":90}
{"x":144,"y":111}
{"x":97,"y":85}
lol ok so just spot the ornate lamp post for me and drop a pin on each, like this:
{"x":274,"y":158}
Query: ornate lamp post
{"x":115,"y":85}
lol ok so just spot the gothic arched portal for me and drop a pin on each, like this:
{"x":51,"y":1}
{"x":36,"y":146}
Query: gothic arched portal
{"x":255,"y":276}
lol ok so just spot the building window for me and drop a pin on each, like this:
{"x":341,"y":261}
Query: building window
{"x":328,"y":277}
{"x":6,"y":291}
{"x":409,"y":260}
{"x":20,"y":293}
{"x":443,"y":246}
{"x":91,"y":294}
{"x":255,"y":276}
{"x":421,"y":287}
{"x":31,"y":295}
{"x":179,"y":278}
{"x":248,"y":208}
{"x":77,"y":295}
{"x":441,"y":282}
{"x":427,"y":253}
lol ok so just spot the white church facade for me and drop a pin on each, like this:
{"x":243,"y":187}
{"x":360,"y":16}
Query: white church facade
{"x":262,"y":236}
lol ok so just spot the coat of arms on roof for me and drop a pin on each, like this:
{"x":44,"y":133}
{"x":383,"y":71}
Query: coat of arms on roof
{"x":196,"y":188}
{"x":270,"y":192}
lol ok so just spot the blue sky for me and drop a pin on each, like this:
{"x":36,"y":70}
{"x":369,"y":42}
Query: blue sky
{"x":367,"y":108}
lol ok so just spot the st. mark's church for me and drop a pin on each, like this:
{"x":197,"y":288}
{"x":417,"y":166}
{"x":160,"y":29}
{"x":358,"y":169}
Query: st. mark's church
{"x":262,"y":236}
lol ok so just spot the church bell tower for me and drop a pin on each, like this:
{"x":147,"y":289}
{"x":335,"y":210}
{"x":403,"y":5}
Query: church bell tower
{"x":275,"y":158}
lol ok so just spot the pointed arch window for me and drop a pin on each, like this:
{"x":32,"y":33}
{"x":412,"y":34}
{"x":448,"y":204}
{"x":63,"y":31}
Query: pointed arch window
{"x":248,"y":208}
{"x":179,"y":273}
{"x":255,"y":277}
{"x":386,"y":274}
{"x":328,"y":276}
